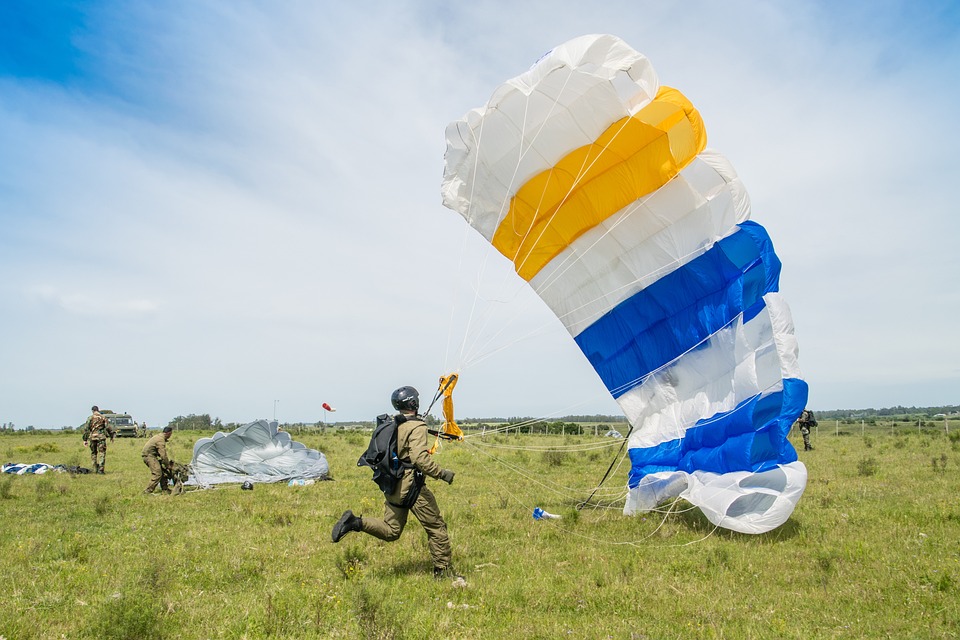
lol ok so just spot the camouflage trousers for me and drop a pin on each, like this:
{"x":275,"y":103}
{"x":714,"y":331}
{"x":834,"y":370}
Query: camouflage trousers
{"x":425,"y":510}
{"x":98,"y":454}
{"x":156,"y":475}
{"x":805,"y":432}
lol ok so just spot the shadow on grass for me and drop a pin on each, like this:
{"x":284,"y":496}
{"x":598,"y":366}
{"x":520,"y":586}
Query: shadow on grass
{"x":695,"y":521}
{"x":420,"y":567}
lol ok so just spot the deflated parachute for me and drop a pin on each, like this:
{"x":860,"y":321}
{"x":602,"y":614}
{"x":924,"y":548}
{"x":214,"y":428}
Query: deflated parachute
{"x":595,"y":182}
{"x":255,"y":452}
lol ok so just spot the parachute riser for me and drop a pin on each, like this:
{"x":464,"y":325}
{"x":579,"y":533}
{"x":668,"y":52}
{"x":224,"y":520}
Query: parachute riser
{"x":450,"y":429}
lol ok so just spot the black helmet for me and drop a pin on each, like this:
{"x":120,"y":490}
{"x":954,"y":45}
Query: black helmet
{"x":405,"y":399}
{"x":248,"y":486}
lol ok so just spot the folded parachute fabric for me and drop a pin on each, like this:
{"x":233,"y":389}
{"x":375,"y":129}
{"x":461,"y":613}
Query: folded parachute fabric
{"x":255,"y":452}
{"x":25,"y":469}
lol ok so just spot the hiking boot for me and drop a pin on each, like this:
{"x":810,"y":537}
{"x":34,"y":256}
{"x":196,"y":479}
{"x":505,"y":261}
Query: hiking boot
{"x":439,"y":573}
{"x":101,"y":472}
{"x":347,"y":523}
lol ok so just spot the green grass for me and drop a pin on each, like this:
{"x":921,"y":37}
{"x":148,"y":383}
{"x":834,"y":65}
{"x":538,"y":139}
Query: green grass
{"x":872,"y":551}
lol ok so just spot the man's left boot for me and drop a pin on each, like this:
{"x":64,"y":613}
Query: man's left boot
{"x":347,"y":523}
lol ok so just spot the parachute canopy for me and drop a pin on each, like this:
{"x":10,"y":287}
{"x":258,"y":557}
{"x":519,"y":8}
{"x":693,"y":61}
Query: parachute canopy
{"x":595,"y":181}
{"x":257,"y":452}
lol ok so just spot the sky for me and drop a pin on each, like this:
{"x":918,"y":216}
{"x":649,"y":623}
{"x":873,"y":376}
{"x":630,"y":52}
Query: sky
{"x":233,"y":208}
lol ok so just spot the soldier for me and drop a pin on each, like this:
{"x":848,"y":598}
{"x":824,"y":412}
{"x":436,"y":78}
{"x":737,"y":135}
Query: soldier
{"x":155,"y":457}
{"x":411,"y":447}
{"x":807,"y":421}
{"x":95,"y":433}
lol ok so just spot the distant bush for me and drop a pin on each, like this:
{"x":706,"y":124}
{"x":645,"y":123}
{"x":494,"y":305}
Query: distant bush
{"x":868,"y":467}
{"x":554,"y":458}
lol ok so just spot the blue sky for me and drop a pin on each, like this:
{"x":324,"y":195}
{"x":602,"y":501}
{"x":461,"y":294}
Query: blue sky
{"x":233,"y":208}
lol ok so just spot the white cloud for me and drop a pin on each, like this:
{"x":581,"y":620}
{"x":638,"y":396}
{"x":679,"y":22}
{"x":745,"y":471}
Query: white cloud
{"x":253,"y":193}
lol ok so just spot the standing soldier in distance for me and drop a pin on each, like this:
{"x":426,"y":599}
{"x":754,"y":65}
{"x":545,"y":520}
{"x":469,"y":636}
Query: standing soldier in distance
{"x":807,"y":421}
{"x":155,"y":457}
{"x":411,"y":447}
{"x":95,"y":433}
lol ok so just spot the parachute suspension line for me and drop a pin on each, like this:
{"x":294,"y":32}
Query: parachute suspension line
{"x":609,"y":469}
{"x":483,"y":348}
{"x":584,"y":168}
{"x":558,"y":524}
{"x":478,"y":139}
{"x":566,"y":493}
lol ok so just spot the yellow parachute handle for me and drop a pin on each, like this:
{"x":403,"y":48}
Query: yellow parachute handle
{"x":450,"y":429}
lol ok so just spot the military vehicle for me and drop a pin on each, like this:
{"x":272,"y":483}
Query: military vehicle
{"x":122,"y":423}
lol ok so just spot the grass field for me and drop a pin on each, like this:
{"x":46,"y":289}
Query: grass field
{"x":872,"y":551}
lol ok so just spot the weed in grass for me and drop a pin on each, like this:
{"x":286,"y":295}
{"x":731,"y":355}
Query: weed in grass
{"x":555,"y":458}
{"x":43,"y":487}
{"x":939,"y":464}
{"x":374,"y":622}
{"x":101,"y":505}
{"x":350,"y":562}
{"x":941,"y":583}
{"x":6,"y":487}
{"x":154,"y":579}
{"x":503,"y":501}
{"x":867,"y":467}
{"x":825,"y":564}
{"x":43,"y":447}
{"x":75,"y":550}
{"x":127,"y":616}
{"x":282,"y":519}
{"x":718,"y":557}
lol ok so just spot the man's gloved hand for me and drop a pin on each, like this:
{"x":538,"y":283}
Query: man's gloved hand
{"x":447,"y":476}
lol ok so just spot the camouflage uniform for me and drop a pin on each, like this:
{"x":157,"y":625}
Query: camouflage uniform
{"x":155,"y":457}
{"x":412,"y":445}
{"x":95,"y":433}
{"x":806,"y":422}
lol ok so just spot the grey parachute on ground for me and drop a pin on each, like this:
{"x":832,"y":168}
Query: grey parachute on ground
{"x":256,"y":452}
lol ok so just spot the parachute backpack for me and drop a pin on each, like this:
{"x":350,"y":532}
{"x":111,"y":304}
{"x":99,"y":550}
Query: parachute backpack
{"x":381,"y":454}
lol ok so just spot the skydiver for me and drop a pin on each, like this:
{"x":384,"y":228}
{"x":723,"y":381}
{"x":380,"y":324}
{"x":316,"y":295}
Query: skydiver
{"x":806,"y":422}
{"x":412,"y":447}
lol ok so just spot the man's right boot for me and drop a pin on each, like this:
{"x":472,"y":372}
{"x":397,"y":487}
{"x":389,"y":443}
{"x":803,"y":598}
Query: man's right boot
{"x":347,"y":523}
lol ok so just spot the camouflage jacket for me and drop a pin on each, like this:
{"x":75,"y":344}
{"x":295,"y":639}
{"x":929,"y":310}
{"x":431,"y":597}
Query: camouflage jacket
{"x":97,"y":428}
{"x":807,"y":419}
{"x":156,"y":447}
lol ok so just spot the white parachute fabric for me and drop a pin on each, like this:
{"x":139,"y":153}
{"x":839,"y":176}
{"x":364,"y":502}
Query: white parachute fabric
{"x":257,"y":452}
{"x":595,"y":181}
